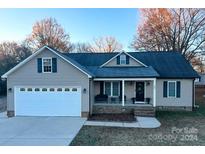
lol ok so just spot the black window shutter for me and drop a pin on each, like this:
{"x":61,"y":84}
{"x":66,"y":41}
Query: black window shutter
{"x":39,"y":65}
{"x":101,"y":87}
{"x":120,"y":88}
{"x":118,"y":60}
{"x":165,"y":89}
{"x":127,"y":59}
{"x":54,"y":65}
{"x":178,"y":89}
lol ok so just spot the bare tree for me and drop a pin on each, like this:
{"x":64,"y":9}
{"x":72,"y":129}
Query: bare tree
{"x":198,"y":65}
{"x":82,"y":47}
{"x":12,"y":53}
{"x":180,"y":30}
{"x":49,"y":32}
{"x":100,"y":44}
{"x":106,"y":44}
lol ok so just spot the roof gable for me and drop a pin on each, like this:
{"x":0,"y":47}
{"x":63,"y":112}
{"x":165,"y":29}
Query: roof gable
{"x":132,"y":62}
{"x":138,"y":63}
{"x":70,"y":61}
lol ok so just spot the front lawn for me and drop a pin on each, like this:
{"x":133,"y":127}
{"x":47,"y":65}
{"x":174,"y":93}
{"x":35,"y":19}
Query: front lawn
{"x":177,"y":128}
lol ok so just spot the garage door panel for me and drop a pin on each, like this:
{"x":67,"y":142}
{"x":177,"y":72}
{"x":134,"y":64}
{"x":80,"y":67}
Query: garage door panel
{"x":46,"y":103}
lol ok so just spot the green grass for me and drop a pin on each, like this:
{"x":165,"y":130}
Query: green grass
{"x":93,"y":135}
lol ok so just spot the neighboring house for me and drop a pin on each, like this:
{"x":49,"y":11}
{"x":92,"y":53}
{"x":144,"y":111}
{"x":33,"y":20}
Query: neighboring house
{"x":200,"y":89}
{"x":201,"y":80}
{"x":199,"y":61}
{"x":49,"y":83}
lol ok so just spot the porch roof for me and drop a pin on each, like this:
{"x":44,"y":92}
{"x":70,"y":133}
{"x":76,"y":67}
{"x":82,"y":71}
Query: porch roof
{"x":132,"y":72}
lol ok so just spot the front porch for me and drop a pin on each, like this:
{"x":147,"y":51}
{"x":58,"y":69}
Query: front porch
{"x":139,"y":96}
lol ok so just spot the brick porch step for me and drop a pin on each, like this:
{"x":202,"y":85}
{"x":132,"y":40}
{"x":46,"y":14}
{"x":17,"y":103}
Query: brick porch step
{"x":144,"y":111}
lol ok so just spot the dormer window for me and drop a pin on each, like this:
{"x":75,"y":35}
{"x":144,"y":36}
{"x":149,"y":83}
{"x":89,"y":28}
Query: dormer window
{"x":122,"y":59}
{"x":47,"y":65}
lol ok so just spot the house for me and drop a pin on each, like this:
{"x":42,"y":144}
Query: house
{"x":200,"y":88}
{"x":201,"y":80}
{"x":50,"y":83}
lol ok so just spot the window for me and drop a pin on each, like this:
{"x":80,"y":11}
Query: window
{"x":22,"y":89}
{"x":52,"y":89}
{"x":122,"y":59}
{"x":171,"y":89}
{"x":112,"y":88}
{"x":29,"y":89}
{"x":44,"y":89}
{"x":47,"y":65}
{"x":108,"y":88}
{"x":115,"y":88}
{"x":36,"y":89}
{"x":67,"y":89}
{"x":74,"y":89}
{"x":59,"y":89}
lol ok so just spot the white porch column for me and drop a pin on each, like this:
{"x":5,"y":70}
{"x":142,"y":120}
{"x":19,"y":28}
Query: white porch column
{"x":123,"y":92}
{"x":154,"y":93}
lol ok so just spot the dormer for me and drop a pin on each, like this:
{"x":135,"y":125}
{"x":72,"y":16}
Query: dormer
{"x":123,"y":59}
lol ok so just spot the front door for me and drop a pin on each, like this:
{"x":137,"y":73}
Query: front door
{"x":140,"y":91}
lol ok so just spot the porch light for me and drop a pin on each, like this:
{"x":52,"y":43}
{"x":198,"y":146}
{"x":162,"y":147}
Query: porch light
{"x":10,"y":89}
{"x":84,"y":90}
{"x":148,"y":83}
{"x":3,"y":79}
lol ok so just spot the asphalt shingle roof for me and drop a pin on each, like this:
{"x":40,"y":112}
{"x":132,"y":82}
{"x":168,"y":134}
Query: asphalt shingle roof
{"x":76,"y":63}
{"x":160,"y":64}
{"x":129,"y":72}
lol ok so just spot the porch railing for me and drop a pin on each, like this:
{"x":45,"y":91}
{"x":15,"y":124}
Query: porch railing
{"x":118,"y":100}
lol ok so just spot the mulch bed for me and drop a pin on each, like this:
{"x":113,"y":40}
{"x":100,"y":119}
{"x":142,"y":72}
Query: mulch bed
{"x":113,"y":117}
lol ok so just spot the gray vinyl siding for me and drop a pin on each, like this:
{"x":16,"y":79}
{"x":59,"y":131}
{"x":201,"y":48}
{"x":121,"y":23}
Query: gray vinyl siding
{"x":96,"y":87}
{"x":67,"y":75}
{"x":129,"y":90}
{"x":132,"y":62}
{"x":186,"y":98}
{"x":149,"y":91}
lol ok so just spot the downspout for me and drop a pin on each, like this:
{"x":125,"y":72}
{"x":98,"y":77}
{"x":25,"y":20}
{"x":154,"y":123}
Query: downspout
{"x":194,"y":103}
{"x":90,"y":96}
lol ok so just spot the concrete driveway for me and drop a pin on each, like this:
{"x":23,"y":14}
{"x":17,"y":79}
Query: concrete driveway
{"x":39,"y":131}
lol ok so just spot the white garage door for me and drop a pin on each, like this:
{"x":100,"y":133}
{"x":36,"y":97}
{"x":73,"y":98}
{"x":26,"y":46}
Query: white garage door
{"x":47,"y":101}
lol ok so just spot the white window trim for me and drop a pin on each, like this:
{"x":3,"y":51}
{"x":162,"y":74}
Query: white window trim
{"x":168,"y":89}
{"x":123,"y":59}
{"x":111,"y":88}
{"x":51,"y":65}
